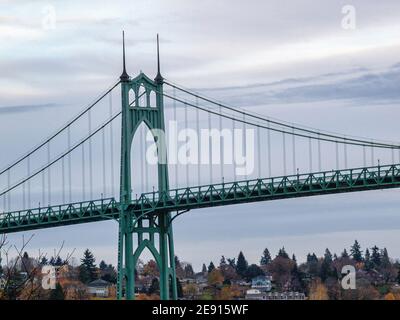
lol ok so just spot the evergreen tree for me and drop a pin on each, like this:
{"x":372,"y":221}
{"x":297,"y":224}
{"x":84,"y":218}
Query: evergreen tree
{"x":204,"y":268}
{"x":326,"y":267}
{"x":344,"y":254}
{"x":103,"y":265}
{"x":59,"y":262}
{"x":87,"y":269}
{"x":335,"y":256}
{"x":253,"y":271}
{"x":282,"y":253}
{"x":211,"y":267}
{"x":375,"y":256}
{"x":188,"y":270}
{"x":57,"y":293}
{"x":355,"y":251}
{"x":242,"y":265}
{"x":222,"y":261}
{"x":232,"y":262}
{"x":44,"y":261}
{"x":367,"y":260}
{"x":52,"y":261}
{"x":294,"y":258}
{"x":385,"y":261}
{"x":312,"y":258}
{"x":266,"y":257}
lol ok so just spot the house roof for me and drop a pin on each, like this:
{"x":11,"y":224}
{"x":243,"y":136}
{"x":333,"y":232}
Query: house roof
{"x":99,"y":283}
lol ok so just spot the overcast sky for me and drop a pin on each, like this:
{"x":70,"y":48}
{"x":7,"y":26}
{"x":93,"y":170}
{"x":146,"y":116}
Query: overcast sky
{"x":289,"y":60}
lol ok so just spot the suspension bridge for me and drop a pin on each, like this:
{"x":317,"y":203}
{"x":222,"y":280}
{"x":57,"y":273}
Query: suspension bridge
{"x":71,"y":175}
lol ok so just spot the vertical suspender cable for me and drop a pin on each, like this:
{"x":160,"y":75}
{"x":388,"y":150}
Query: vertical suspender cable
{"x":9,"y":193}
{"x":310,"y":153}
{"x":63,"y":179}
{"x":337,"y":155}
{"x":392,"y":156}
{"x":233,"y":149}
{"x":103,"y":147}
{"x":23,"y":196}
{"x":284,"y":153}
{"x":364,"y":157}
{"x":112,"y":147}
{"x":244,"y":141}
{"x":90,"y":156}
{"x":221,"y":156}
{"x":186,"y":132}
{"x":210,"y":148}
{"x":175,"y":120}
{"x":28,"y":161}
{"x":43,"y":187}
{"x":345,"y":154}
{"x":372,"y":156}
{"x":259,"y":151}
{"x":319,"y":155}
{"x":48,"y":175}
{"x":198,"y":144}
{"x":269,"y":150}
{"x":69,"y":165}
{"x":83,"y":173}
{"x":294,"y":151}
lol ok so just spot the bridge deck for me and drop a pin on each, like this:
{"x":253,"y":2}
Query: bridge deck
{"x":302,"y":185}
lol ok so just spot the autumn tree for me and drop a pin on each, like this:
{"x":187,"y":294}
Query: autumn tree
{"x":178,"y":267}
{"x":215,"y":279}
{"x":151,"y":269}
{"x":318,"y":291}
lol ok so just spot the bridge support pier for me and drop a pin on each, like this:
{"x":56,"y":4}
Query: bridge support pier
{"x":153,"y":232}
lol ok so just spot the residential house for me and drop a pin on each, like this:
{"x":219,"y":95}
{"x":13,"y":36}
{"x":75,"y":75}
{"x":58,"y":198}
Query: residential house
{"x":262,"y":283}
{"x":99,"y":288}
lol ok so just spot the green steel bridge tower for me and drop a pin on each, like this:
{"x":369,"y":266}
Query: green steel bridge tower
{"x":138,"y":232}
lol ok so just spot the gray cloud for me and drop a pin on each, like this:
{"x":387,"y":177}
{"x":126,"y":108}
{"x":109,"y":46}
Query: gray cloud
{"x":26,"y":108}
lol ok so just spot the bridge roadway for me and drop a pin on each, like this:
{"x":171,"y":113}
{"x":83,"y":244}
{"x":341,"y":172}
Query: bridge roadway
{"x":302,"y":185}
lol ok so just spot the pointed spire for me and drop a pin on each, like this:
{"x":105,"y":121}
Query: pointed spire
{"x":158,"y":79}
{"x":124,"y":76}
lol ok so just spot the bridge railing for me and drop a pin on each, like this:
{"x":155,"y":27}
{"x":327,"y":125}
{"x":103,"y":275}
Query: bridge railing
{"x":349,"y":175}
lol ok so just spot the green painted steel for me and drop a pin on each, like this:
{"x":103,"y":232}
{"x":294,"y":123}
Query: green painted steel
{"x":151,"y":204}
{"x":138,"y":232}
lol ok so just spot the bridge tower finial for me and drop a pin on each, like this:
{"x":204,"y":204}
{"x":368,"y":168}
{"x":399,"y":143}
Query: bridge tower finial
{"x":124,"y":76}
{"x":158,"y":79}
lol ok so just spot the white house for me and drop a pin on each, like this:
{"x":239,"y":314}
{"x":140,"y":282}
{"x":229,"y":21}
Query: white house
{"x":99,"y":288}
